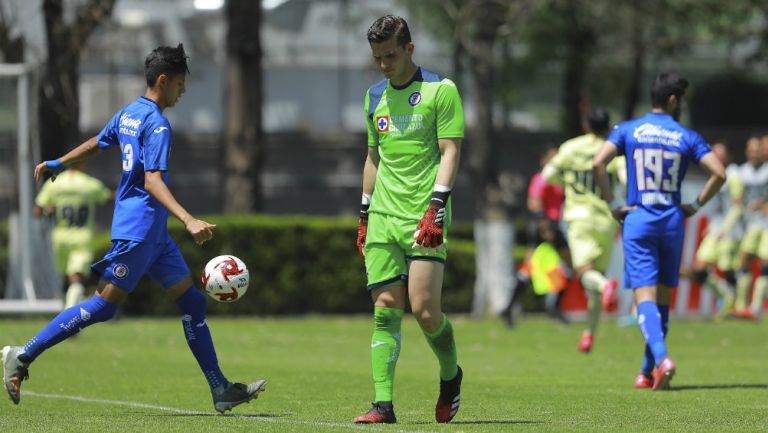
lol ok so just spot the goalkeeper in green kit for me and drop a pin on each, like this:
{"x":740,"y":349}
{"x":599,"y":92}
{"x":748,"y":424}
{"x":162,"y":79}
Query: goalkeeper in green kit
{"x":415,"y":126}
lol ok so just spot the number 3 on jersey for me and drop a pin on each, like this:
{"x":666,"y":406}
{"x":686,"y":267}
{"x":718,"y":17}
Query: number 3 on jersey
{"x":127,"y":156}
{"x":654,"y":160}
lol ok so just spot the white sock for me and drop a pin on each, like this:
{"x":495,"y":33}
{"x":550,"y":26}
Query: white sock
{"x":758,"y":294}
{"x":593,"y":281}
{"x":75,"y":293}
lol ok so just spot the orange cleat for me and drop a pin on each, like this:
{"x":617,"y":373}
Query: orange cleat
{"x":610,"y":296}
{"x":585,"y":343}
{"x":382,"y":412}
{"x":643,"y":380}
{"x":745,"y":314}
{"x":663,"y":375}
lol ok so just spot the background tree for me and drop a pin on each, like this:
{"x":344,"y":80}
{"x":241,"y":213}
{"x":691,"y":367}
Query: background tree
{"x":11,"y":44}
{"x":59,"y":103}
{"x":472,"y":28}
{"x":244,"y":148}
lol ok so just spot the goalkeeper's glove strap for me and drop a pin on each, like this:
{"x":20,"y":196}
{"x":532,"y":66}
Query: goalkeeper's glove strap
{"x":439,"y":198}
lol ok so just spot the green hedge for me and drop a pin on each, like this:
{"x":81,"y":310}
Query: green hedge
{"x":298,"y":264}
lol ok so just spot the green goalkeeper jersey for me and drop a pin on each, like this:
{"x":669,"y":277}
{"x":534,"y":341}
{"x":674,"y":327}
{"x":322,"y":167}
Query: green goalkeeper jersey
{"x":74,"y":195}
{"x":405,"y":124}
{"x":572,"y":166}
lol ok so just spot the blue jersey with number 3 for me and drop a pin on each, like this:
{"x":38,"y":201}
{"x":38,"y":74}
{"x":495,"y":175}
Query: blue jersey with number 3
{"x":144,"y":137}
{"x":658,"y":150}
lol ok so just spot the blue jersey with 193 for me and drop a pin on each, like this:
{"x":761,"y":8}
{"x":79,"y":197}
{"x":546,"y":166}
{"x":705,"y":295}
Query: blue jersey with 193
{"x":144,"y":137}
{"x":658,"y":150}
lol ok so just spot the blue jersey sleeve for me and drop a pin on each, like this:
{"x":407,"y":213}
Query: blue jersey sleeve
{"x":108,"y":136}
{"x":617,"y":137}
{"x":157,"y":145}
{"x":699,"y":147}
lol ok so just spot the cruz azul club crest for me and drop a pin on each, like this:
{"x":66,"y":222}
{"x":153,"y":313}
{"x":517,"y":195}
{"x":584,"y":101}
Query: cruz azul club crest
{"x":414,"y":99}
{"x":120,"y":271}
{"x":382,"y":123}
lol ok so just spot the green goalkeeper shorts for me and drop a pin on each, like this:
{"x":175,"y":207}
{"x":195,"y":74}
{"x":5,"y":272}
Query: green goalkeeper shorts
{"x":389,"y":247}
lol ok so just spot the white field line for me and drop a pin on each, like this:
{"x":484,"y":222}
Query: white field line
{"x":335,"y":425}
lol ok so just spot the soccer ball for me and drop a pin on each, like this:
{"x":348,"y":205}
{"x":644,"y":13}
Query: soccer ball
{"x":225,"y":278}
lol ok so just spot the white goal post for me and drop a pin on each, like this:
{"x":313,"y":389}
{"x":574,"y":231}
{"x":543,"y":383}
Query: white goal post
{"x":28,"y":261}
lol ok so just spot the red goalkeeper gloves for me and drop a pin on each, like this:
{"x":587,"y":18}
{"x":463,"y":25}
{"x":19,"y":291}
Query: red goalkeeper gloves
{"x":362,"y":225}
{"x":429,"y":232}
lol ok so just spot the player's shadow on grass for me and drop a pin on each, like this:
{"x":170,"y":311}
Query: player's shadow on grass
{"x":495,"y":421}
{"x":724,"y":386}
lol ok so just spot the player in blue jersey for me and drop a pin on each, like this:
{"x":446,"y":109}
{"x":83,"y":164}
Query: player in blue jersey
{"x":141,"y":244}
{"x":658,"y":150}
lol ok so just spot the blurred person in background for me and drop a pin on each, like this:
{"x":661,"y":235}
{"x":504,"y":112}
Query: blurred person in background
{"x":591,"y":227}
{"x":545,"y":200}
{"x":754,"y":175}
{"x":545,"y":203}
{"x":72,"y":200}
{"x":719,"y":248}
{"x":415,"y":125}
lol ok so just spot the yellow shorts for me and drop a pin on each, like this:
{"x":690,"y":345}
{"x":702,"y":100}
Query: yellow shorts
{"x":73,"y":258}
{"x":722,"y":252}
{"x":762,"y":247}
{"x":591,"y":244}
{"x":755,"y":242}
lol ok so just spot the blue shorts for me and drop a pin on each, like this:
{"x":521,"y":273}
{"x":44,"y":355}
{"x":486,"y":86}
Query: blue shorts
{"x":653,"y":247}
{"x":128,"y":261}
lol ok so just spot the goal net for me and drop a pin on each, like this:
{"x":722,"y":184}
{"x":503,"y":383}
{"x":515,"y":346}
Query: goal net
{"x":28,"y":279}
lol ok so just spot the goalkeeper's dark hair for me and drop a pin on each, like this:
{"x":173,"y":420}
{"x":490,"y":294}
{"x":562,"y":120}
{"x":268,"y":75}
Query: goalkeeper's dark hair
{"x":165,"y":60}
{"x":665,"y":85}
{"x":387,"y":26}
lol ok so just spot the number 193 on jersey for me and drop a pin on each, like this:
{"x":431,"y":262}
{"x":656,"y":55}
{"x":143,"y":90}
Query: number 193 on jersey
{"x":657,"y":172}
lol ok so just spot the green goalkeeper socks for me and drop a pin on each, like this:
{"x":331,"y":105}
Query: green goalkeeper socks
{"x":442,"y":343}
{"x":385,"y":348}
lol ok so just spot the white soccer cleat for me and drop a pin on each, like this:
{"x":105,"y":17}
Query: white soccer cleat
{"x":237,"y":393}
{"x":14,"y":372}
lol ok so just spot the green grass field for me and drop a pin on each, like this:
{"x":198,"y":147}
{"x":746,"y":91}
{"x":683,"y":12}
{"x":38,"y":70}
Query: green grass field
{"x":137,"y":375}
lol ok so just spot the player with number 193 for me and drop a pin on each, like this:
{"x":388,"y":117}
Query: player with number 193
{"x":658,"y":150}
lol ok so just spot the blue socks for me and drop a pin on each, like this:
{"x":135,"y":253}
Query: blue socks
{"x":192,"y":306}
{"x":68,"y":323}
{"x":654,"y":324}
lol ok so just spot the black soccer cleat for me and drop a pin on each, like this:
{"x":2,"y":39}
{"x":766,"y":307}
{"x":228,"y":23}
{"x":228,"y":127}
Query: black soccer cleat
{"x":450,"y":398}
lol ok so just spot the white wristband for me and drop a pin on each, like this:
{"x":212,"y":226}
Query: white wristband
{"x":442,"y":188}
{"x":366,"y":200}
{"x":695,"y":205}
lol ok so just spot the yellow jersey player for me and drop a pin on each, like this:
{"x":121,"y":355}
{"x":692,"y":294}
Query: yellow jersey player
{"x":73,"y":199}
{"x":754,"y":174}
{"x":720,"y":246}
{"x":591,"y":227}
